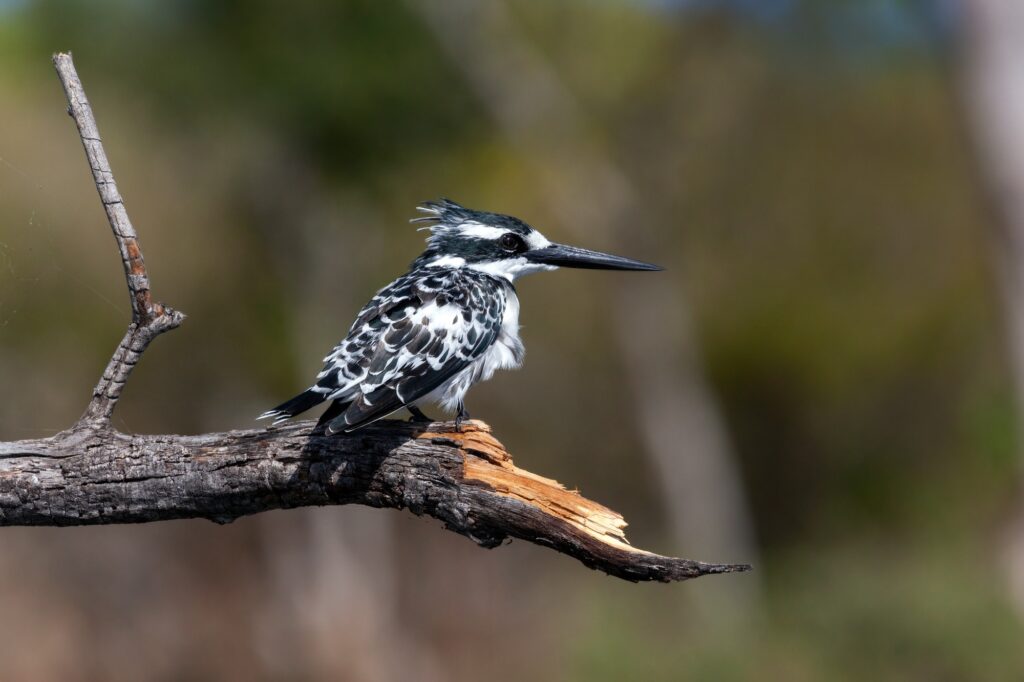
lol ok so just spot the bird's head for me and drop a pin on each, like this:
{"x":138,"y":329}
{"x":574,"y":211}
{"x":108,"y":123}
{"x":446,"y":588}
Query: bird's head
{"x":502,"y":245}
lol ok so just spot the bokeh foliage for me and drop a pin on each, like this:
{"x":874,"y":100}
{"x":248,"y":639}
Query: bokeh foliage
{"x":815,"y":189}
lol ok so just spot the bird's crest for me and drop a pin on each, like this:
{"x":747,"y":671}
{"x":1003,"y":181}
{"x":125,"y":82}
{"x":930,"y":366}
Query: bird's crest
{"x":446,"y":218}
{"x":442,"y":213}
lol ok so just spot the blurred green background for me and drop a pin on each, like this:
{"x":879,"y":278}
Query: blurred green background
{"x":829,"y":321}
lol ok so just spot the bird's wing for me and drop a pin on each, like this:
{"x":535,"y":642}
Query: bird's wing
{"x":424,"y":335}
{"x":346,"y":365}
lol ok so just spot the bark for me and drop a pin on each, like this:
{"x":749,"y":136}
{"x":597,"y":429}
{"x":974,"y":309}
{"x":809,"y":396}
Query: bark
{"x":149,"y":319}
{"x":93,"y":474}
{"x":466,"y":479}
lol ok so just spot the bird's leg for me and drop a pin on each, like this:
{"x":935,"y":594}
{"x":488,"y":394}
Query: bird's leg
{"x":462,"y":416}
{"x":417,"y":414}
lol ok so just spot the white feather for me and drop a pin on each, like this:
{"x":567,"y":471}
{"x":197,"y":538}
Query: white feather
{"x":479,"y":230}
{"x":507,"y":352}
{"x":511,"y":268}
{"x":447,"y":262}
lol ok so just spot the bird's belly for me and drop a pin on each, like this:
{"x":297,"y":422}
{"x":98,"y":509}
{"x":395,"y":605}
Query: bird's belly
{"x":506,"y":352}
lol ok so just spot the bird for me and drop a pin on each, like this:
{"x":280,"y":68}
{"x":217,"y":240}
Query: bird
{"x":450,"y":322}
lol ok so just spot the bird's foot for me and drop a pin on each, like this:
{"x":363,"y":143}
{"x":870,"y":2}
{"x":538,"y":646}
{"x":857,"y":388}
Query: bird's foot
{"x":462,"y":416}
{"x":417,"y":415}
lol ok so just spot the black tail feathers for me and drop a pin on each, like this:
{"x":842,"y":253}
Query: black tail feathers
{"x":296,"y":405}
{"x":336,"y":409}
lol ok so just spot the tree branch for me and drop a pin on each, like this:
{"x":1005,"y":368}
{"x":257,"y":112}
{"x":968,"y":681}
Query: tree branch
{"x":464,"y":478}
{"x":93,"y":474}
{"x":149,"y":319}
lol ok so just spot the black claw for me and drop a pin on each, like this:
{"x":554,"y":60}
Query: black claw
{"x":461,"y":417}
{"x":417,"y":414}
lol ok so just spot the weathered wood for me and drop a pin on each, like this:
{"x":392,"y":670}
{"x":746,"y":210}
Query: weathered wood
{"x":464,"y":478}
{"x":149,"y":319}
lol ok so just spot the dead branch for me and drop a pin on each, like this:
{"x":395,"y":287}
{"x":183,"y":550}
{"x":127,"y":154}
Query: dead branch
{"x":465,"y":479}
{"x":93,"y":474}
{"x":149,"y":319}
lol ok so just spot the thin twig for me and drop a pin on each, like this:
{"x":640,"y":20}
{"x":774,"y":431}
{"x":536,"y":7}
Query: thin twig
{"x":149,"y":319}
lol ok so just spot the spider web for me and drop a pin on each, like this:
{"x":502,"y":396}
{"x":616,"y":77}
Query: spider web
{"x":29,"y":258}
{"x":13,"y":282}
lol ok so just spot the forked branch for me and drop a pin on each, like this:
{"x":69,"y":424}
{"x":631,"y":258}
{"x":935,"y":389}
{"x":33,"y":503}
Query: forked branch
{"x":93,"y":474}
{"x":149,"y":319}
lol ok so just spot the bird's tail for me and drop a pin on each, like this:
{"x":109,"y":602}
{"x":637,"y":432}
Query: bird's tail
{"x":296,"y":405}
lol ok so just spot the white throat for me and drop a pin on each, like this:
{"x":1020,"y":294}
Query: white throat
{"x":510,"y":268}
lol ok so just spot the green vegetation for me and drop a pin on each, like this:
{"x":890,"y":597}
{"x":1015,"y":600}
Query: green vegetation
{"x":822,"y":211}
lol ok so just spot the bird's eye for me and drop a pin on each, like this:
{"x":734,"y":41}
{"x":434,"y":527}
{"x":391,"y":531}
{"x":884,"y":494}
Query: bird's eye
{"x":511,"y":242}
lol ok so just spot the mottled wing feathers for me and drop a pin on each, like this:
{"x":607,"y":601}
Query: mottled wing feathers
{"x":412,"y":338}
{"x":347,"y":363}
{"x":388,"y":398}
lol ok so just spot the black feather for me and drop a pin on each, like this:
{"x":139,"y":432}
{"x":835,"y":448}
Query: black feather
{"x":297,"y":405}
{"x":336,"y":407}
{"x":386,"y":399}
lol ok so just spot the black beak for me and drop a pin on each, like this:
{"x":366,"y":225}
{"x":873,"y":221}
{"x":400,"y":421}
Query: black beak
{"x":572,"y":257}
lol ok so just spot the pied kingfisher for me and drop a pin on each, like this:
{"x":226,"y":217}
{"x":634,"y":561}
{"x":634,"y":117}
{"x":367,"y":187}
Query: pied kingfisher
{"x":449,"y":322}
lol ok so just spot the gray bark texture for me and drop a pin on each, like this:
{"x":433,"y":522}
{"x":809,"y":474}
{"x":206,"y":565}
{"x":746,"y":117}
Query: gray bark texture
{"x":463,"y":478}
{"x":93,"y":474}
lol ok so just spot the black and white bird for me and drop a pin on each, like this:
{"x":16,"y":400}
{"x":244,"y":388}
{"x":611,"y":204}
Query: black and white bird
{"x":449,"y":322}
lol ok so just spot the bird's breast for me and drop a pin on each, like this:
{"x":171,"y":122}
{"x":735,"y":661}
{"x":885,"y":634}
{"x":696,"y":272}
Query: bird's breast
{"x":512,"y":350}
